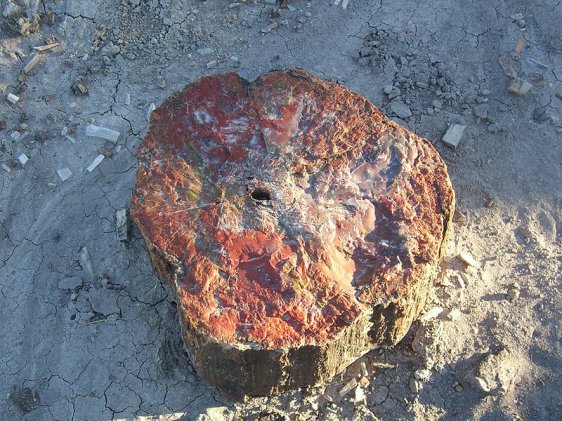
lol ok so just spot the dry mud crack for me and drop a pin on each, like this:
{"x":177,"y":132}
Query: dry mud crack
{"x":101,"y":340}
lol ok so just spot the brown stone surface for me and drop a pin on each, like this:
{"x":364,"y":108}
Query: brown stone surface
{"x":298,"y":227}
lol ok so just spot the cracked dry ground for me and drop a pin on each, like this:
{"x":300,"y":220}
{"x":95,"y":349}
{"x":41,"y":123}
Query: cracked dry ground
{"x":99,"y":340}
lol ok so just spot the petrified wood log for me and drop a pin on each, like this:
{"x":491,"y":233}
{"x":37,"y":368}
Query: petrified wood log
{"x":297,"y":226}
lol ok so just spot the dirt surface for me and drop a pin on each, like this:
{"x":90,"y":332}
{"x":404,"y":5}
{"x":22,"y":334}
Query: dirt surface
{"x":89,"y":333}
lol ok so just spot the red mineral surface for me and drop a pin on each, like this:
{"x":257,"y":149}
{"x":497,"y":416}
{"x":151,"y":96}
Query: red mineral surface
{"x":297,"y":226}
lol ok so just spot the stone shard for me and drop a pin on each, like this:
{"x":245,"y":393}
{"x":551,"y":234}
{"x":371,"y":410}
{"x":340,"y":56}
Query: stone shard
{"x":122,"y":224}
{"x":519,"y":87}
{"x":454,"y":135}
{"x":297,"y":226}
{"x":102,"y":132}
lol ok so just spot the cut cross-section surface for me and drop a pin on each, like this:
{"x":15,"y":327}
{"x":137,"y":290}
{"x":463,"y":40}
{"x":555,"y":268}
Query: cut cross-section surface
{"x":298,"y":227}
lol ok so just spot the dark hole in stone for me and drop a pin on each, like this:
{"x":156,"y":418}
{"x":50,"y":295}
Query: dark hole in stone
{"x":260,"y":194}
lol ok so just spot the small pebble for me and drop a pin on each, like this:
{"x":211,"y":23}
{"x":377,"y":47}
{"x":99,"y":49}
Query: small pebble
{"x":13,"y":98}
{"x":454,"y":314}
{"x":422,"y":374}
{"x":359,"y":396}
{"x":513,"y":292}
{"x":64,"y":173}
{"x":23,"y":158}
{"x":481,"y":384}
{"x":415,"y":385}
{"x":467,"y":258}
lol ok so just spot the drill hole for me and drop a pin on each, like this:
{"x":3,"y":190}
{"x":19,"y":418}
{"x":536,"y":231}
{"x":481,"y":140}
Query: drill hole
{"x":260,"y":195}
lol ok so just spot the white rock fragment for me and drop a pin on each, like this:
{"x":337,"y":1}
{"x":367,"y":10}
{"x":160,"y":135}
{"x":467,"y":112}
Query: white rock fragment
{"x":481,"y":384}
{"x":42,"y":48}
{"x":64,"y":133}
{"x":422,"y":374}
{"x":344,"y":4}
{"x":36,"y":59}
{"x":359,"y":396}
{"x":454,"y":135}
{"x":486,"y":276}
{"x":364,"y":371}
{"x":519,"y":87}
{"x":95,"y":162}
{"x":102,"y":132}
{"x":463,"y":279}
{"x":13,"y":98}
{"x":22,"y":136}
{"x":415,"y":385}
{"x":23,"y":158}
{"x":453,"y":314}
{"x":211,"y":64}
{"x":380,"y":364}
{"x":431,"y":314}
{"x":151,"y":108}
{"x":270,"y":28}
{"x":347,"y":388}
{"x":128,"y":99}
{"x":15,"y":135}
{"x":467,"y":258}
{"x":122,"y":225}
{"x":6,"y":168}
{"x":64,"y":173}
{"x":314,"y":403}
{"x":85,"y":261}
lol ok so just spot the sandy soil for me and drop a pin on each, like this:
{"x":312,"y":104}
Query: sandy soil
{"x":89,"y":333}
